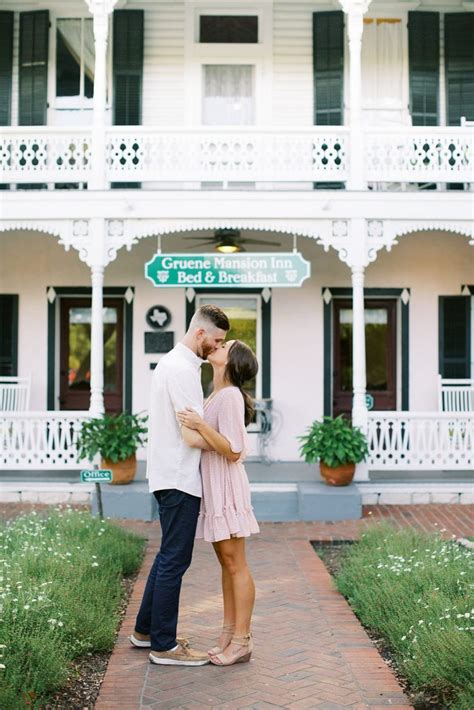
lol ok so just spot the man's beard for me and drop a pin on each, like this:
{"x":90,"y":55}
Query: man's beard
{"x":206,"y":349}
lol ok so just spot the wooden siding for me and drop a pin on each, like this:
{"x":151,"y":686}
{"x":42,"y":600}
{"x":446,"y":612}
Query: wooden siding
{"x":163,"y":77}
{"x":293,"y":62}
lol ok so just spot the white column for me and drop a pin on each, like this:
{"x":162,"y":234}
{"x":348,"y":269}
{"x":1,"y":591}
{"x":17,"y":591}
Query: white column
{"x":97,"y":262}
{"x":97,"y":343}
{"x":355,"y":10}
{"x":100,"y":10}
{"x":359,"y":377}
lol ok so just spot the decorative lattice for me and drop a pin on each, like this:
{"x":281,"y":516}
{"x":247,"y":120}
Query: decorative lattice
{"x":420,"y":441}
{"x":204,"y":155}
{"x":419,"y":155}
{"x":40,"y":440}
{"x":44,"y":155}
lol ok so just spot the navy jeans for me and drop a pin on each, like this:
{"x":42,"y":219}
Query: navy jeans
{"x":158,"y":615}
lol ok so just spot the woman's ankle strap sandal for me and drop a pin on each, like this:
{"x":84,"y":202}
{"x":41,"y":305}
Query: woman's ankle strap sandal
{"x":224,"y":639}
{"x":241,"y":653}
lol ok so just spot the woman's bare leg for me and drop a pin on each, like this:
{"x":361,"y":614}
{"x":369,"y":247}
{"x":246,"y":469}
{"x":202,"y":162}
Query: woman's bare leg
{"x":231,"y":554}
{"x":227,"y":591}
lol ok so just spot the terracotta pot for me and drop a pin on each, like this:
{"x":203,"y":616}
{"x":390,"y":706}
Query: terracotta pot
{"x":122,"y":472}
{"x":338,"y":476}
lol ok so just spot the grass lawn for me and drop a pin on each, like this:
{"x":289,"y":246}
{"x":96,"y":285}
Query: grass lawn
{"x":60,"y":593}
{"x":416,"y":591}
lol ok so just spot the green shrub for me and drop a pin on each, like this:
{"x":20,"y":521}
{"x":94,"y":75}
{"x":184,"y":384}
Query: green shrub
{"x":335,"y":442}
{"x":60,"y":593}
{"x":114,"y":436}
{"x":414,"y":589}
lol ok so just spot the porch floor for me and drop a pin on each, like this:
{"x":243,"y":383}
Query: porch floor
{"x":281,"y":491}
{"x":264,"y":473}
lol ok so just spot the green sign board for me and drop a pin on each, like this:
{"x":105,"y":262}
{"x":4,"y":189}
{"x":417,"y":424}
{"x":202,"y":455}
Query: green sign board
{"x":282,"y":269}
{"x":99,"y":475}
{"x":369,"y":401}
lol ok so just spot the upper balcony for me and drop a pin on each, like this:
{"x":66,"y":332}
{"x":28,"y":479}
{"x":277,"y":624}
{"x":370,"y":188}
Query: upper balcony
{"x":265,"y":96}
{"x":236,"y":157}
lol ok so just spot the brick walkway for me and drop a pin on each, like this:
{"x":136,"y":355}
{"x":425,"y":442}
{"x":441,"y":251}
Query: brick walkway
{"x":310,"y":650}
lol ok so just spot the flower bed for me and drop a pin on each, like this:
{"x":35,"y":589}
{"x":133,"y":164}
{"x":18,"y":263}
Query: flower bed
{"x":416,"y":591}
{"x":60,"y":593}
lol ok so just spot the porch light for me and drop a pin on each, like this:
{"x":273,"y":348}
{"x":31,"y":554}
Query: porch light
{"x":228,"y":246}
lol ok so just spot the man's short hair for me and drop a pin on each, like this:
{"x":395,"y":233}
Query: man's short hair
{"x":210,"y":315}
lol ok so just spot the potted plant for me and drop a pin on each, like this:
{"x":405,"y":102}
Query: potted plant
{"x":337,"y":445}
{"x":116,"y":438}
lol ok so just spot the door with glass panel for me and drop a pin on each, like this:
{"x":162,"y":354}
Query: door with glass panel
{"x":228,"y":95}
{"x":228,"y":100}
{"x":381,"y":354}
{"x":244,"y":313}
{"x":75,"y":354}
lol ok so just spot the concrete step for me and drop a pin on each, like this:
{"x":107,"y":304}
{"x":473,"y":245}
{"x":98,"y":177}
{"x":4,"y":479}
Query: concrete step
{"x":271,"y":502}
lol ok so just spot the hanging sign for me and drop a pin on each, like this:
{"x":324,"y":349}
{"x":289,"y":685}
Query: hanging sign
{"x":284,"y":269}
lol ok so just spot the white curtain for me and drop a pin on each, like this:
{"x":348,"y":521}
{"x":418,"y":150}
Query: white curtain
{"x":228,"y":95}
{"x":372,"y":316}
{"x":71,"y":33}
{"x":382,"y":64}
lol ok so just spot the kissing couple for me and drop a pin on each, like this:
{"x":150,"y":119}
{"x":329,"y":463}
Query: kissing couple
{"x":195,"y":471}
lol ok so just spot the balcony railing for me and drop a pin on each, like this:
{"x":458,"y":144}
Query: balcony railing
{"x":192,"y":156}
{"x":40,"y":440}
{"x":421,"y":441}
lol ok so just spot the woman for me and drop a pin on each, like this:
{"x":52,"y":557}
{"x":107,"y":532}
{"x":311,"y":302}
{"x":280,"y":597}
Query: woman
{"x":226,"y":516}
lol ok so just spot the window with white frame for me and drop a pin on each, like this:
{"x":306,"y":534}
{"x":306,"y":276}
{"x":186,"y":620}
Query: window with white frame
{"x":75,"y":58}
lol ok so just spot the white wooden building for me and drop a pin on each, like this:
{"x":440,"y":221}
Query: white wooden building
{"x":341,"y":128}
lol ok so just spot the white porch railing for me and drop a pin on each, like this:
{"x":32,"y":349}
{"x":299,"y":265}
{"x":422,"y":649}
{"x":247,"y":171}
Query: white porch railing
{"x":40,"y":440}
{"x":421,"y":441}
{"x":455,"y":395}
{"x":44,"y":154}
{"x":246,"y":154}
{"x":416,"y":154}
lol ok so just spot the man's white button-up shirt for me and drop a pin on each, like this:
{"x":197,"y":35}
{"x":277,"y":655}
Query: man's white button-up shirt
{"x":176,"y":384}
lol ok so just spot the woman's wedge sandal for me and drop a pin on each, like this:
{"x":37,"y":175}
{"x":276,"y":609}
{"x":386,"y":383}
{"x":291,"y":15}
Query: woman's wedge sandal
{"x":241,"y":654}
{"x":226,"y":634}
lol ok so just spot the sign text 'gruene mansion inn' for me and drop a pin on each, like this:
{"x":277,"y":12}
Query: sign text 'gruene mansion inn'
{"x":307,"y":165}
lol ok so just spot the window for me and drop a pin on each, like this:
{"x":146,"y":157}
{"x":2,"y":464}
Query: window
{"x":228,"y":29}
{"x":454,"y":337}
{"x":228,"y":95}
{"x":244,"y":313}
{"x":75,"y":58}
{"x":8,"y":335}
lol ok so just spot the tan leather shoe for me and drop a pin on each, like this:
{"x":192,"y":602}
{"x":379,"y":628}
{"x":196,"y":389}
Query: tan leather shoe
{"x":181,"y":656}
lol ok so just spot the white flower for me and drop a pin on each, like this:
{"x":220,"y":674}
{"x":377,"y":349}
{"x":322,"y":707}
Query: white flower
{"x":27,"y":606}
{"x":95,"y":564}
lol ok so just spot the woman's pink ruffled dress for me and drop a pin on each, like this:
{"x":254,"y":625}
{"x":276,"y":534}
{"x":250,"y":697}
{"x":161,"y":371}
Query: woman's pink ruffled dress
{"x":226,"y":508}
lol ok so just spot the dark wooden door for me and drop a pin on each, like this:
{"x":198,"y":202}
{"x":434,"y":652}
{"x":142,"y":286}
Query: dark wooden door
{"x":381,"y":354}
{"x":75,"y":354}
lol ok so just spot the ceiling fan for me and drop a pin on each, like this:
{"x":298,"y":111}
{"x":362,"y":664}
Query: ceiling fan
{"x":229,"y":241}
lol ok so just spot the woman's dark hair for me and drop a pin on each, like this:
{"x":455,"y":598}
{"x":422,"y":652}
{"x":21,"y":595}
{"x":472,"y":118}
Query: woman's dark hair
{"x":242,"y":366}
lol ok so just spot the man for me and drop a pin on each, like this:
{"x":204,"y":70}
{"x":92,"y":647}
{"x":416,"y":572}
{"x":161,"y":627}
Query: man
{"x":175,"y":481}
